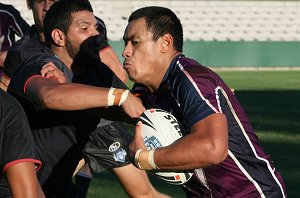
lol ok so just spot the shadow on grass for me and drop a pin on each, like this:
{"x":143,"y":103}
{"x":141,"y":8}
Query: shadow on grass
{"x":275,"y":116}
{"x":105,"y":185}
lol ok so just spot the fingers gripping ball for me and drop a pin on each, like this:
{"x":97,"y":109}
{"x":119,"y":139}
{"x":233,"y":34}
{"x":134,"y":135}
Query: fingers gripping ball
{"x":159,"y":129}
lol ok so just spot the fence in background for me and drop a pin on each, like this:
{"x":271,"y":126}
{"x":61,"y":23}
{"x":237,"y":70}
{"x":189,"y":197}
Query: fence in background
{"x":217,"y":33}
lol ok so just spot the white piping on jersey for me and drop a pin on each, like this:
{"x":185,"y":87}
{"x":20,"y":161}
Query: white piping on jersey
{"x":1,"y":40}
{"x":201,"y":176}
{"x":17,"y":25}
{"x":196,"y":87}
{"x":241,"y":127}
{"x":8,"y":37}
{"x":218,"y":98}
{"x":254,"y":151}
{"x":246,"y":174}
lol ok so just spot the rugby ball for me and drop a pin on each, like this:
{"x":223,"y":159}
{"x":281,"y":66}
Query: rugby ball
{"x":159,"y":129}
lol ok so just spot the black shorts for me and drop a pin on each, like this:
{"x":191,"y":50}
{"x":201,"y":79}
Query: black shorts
{"x":108,"y":147}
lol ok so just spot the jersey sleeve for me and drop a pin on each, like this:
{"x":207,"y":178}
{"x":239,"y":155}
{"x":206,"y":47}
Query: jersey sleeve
{"x":16,"y":141}
{"x":31,"y":68}
{"x":17,"y":24}
{"x":14,"y":59}
{"x":195,"y":99}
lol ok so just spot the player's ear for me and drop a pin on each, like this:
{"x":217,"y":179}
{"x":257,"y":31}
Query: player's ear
{"x":58,"y":37}
{"x":166,"y":42}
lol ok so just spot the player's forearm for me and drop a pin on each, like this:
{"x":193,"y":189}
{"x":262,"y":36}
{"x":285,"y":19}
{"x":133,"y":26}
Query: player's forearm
{"x":50,"y":94}
{"x":72,"y":97}
{"x":205,"y":147}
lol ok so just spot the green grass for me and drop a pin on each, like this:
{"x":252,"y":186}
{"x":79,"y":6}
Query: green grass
{"x":272,"y":102}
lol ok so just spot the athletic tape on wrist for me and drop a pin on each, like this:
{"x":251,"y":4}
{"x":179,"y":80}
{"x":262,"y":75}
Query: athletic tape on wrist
{"x":110,"y":97}
{"x":151,"y":159}
{"x":124,"y":97}
{"x":136,"y":158}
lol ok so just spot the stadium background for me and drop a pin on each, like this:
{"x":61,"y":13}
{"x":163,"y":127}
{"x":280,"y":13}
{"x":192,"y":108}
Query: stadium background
{"x":252,"y":34}
{"x":231,"y":35}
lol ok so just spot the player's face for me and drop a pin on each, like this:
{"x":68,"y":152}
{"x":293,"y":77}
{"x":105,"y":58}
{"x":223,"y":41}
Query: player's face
{"x":39,"y":9}
{"x":84,"y":26}
{"x":141,"y":53}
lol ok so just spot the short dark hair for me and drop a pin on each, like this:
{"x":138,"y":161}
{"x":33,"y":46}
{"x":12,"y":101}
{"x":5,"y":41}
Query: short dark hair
{"x":59,"y":16}
{"x":159,"y":21}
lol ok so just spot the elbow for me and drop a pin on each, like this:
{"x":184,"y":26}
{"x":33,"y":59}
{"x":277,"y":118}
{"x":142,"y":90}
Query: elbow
{"x":218,"y":155}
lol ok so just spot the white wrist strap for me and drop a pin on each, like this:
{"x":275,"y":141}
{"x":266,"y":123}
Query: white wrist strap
{"x":151,"y":159}
{"x":136,"y":158}
{"x":110,"y":97}
{"x":124,"y":97}
{"x":116,"y":96}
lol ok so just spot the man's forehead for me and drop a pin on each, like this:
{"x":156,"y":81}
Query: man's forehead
{"x":135,"y":27}
{"x":84,"y":17}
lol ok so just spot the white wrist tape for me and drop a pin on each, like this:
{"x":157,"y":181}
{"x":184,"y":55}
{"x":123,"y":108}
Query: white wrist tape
{"x":151,"y":159}
{"x":136,"y":158}
{"x":124,"y":97}
{"x":116,"y":96}
{"x":110,"y":97}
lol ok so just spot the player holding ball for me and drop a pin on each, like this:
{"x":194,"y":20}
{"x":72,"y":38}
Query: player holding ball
{"x":218,"y":140}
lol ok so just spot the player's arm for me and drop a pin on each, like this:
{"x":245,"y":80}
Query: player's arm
{"x":23,"y":181}
{"x":2,"y":58}
{"x":49,"y":70}
{"x":110,"y":58}
{"x":207,"y":144}
{"x":50,"y":94}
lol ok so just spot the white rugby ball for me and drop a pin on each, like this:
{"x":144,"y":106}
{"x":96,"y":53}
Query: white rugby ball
{"x":159,"y":129}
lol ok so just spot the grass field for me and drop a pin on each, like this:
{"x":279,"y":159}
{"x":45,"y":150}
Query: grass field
{"x":271,"y":100}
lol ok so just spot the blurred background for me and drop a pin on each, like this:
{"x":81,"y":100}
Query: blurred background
{"x":238,"y":33}
{"x":253,"y":45}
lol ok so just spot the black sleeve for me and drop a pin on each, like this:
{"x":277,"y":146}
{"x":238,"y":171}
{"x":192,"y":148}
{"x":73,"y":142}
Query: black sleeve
{"x":14,"y":59}
{"x":16,"y":142}
{"x":31,"y":67}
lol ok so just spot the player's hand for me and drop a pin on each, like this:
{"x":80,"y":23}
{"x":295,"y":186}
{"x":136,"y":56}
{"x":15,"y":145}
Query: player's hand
{"x":133,"y":106}
{"x":137,"y":142}
{"x":49,"y":70}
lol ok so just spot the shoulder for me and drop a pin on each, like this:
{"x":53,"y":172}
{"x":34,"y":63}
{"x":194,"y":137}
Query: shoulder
{"x":9,"y":9}
{"x":19,"y":52}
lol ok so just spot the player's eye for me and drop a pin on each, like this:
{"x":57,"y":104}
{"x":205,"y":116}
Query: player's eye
{"x":83,"y":28}
{"x":134,"y":43}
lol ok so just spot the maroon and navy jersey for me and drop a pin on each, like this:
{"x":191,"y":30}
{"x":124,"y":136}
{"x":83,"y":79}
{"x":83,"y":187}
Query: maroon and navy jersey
{"x":192,"y":92}
{"x":11,"y":24}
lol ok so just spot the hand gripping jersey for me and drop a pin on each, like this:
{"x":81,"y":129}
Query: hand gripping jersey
{"x":191,"y":92}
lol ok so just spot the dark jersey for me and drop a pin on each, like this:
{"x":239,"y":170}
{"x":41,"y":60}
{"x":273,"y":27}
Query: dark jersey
{"x":59,"y":135}
{"x":30,"y":45}
{"x":15,"y":139}
{"x":22,"y":50}
{"x":191,"y":92}
{"x":11,"y":24}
